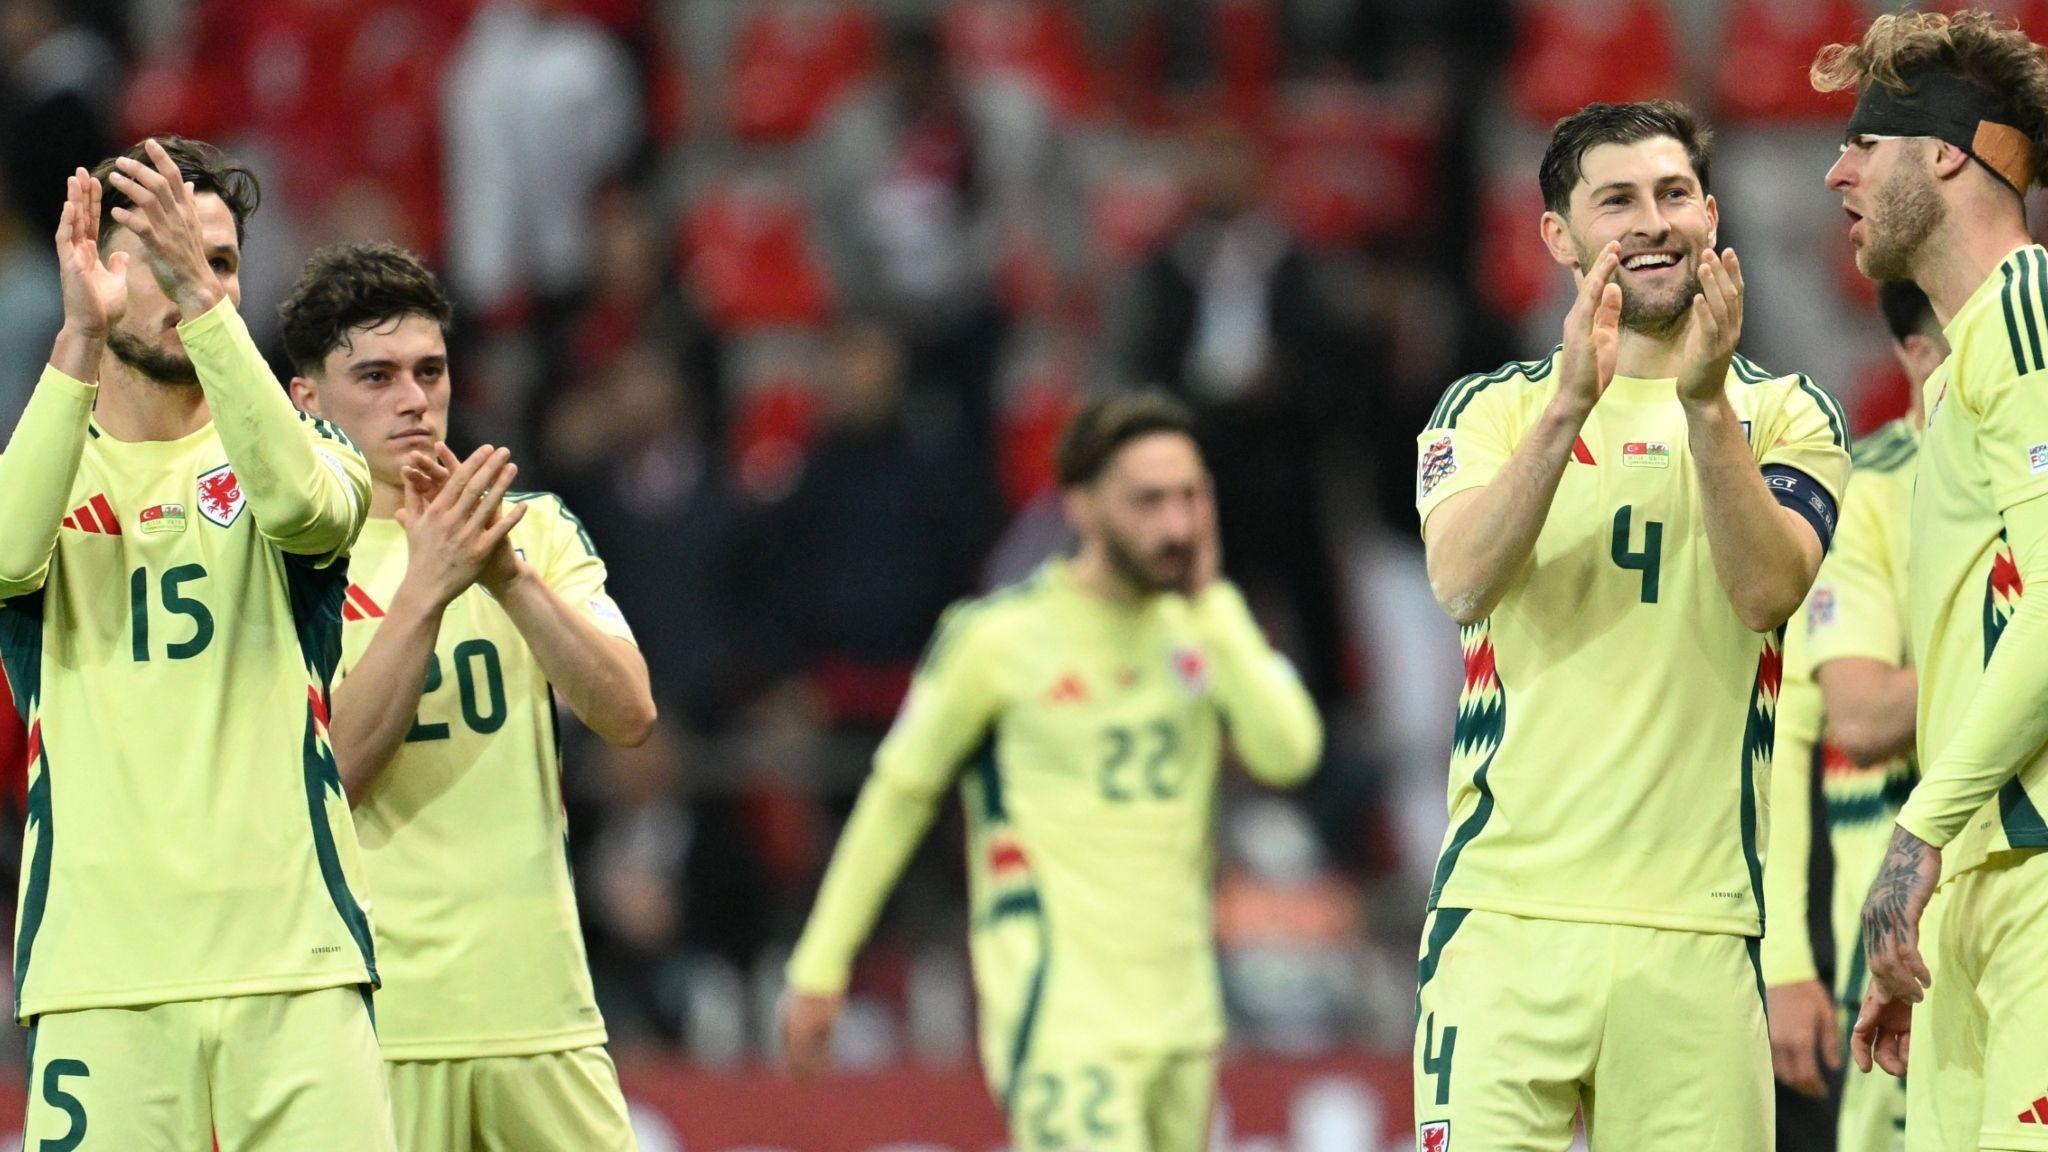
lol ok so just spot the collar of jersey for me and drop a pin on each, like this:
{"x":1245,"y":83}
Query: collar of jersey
{"x":1059,"y":575}
{"x":1981,"y":298}
{"x":182,"y":444}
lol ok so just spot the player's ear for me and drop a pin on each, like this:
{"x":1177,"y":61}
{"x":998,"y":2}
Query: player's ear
{"x":1080,"y":508}
{"x":1557,"y":237}
{"x":1713,"y":220}
{"x":305,"y":395}
{"x":1948,"y":161}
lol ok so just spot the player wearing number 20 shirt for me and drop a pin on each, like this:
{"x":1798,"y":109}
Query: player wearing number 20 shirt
{"x":1622,"y":528}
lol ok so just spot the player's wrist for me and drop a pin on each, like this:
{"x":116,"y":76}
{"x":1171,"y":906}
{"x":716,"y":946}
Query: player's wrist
{"x":196,"y":298}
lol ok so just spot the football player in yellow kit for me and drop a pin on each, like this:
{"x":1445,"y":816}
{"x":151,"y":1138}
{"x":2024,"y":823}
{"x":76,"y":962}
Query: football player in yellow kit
{"x":1084,"y":712}
{"x":1621,"y":527}
{"x":1846,"y":656}
{"x":192,"y":955}
{"x":468,"y":607}
{"x":1949,"y":132}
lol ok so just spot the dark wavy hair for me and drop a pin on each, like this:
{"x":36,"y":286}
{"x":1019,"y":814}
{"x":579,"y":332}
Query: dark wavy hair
{"x":1105,"y":424}
{"x":1596,"y":124}
{"x":350,"y":286}
{"x":205,"y":167}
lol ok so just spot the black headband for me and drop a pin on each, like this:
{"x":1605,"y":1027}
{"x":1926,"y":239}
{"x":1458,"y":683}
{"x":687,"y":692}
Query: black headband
{"x":1949,"y":108}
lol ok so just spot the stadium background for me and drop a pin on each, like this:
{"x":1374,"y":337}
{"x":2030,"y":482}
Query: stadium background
{"x":789,"y":297}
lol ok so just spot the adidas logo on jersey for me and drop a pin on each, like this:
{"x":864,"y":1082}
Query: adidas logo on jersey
{"x":2036,"y":1113}
{"x":1069,"y":690}
{"x":95,"y":515}
{"x":357,"y":605}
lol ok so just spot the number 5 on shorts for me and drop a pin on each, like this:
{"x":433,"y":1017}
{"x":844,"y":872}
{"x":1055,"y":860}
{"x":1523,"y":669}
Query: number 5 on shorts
{"x":56,"y":1097}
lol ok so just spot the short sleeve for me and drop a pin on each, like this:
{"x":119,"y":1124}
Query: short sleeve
{"x":1853,"y":611}
{"x":1468,"y":441}
{"x":2012,"y":433}
{"x":951,"y":705}
{"x":1809,"y":434}
{"x":569,"y":564}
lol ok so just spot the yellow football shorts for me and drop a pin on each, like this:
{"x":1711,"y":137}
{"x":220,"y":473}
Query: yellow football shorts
{"x":290,"y":1071}
{"x":1113,"y":1102}
{"x":556,"y":1100}
{"x":1977,"y":1070}
{"x":1657,"y":1037}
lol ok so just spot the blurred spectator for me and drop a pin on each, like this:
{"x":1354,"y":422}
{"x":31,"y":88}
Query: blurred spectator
{"x":1227,"y":315}
{"x":848,"y":573}
{"x":542,"y":109}
{"x":633,"y":879}
{"x":627,"y":453}
{"x":56,"y":102}
{"x":919,"y":182}
{"x":31,"y":308}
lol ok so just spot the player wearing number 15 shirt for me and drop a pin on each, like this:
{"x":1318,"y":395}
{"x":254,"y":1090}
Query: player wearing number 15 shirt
{"x":192,"y":953}
{"x":1084,"y":713}
{"x":1622,"y":529}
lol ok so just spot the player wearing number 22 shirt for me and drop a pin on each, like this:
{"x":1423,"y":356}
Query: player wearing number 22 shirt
{"x":1083,"y":712}
{"x":1622,"y":529}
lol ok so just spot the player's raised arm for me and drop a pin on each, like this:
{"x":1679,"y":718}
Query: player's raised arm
{"x":41,"y":459}
{"x":1483,"y":500}
{"x":1766,"y":550}
{"x":949,"y":710}
{"x":307,"y":487}
{"x":577,"y":634}
{"x":451,"y":536}
{"x":1271,"y":718}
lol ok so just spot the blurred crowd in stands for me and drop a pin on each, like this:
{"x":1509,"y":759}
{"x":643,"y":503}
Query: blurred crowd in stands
{"x":788,"y":299}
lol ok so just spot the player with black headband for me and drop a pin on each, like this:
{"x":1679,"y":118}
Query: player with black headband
{"x":1949,"y":132}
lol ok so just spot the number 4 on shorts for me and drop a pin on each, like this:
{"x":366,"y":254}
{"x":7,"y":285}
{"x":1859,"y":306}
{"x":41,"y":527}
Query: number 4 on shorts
{"x":1437,"y":1061}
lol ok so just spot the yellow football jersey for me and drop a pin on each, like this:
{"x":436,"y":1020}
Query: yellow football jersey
{"x":1787,"y":953}
{"x":465,"y":843}
{"x":1091,"y":736}
{"x":1985,"y":450}
{"x":186,"y":836}
{"x":1613,"y":737}
{"x":1857,"y":609}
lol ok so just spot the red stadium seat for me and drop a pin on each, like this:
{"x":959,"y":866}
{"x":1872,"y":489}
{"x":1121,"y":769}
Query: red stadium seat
{"x":1569,"y":53}
{"x":774,"y":421}
{"x":1031,"y":424}
{"x":793,"y":60}
{"x":1515,"y":273}
{"x":1765,"y":57}
{"x":1353,"y":164}
{"x":746,"y":249}
{"x":1247,"y":46}
{"x":1037,"y":41}
{"x":1131,"y":209}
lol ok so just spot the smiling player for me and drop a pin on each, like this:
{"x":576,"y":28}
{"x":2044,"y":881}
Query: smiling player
{"x":1621,"y":528}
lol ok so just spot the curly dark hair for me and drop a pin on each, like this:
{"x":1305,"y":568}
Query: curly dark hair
{"x":205,"y":167}
{"x":346,"y":287}
{"x":1104,"y":424}
{"x":1596,"y":124}
{"x":1979,"y":47}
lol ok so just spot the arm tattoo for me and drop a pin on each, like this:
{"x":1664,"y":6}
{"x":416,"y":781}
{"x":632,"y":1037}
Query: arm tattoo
{"x":1885,"y":919}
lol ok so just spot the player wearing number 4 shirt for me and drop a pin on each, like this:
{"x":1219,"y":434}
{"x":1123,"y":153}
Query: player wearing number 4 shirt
{"x":192,"y":954}
{"x":1621,"y":528}
{"x":1083,"y":712}
{"x":469,"y":607}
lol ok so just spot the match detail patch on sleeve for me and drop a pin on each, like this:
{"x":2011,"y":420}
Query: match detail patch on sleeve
{"x":1439,"y":463}
{"x":2037,"y":458}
